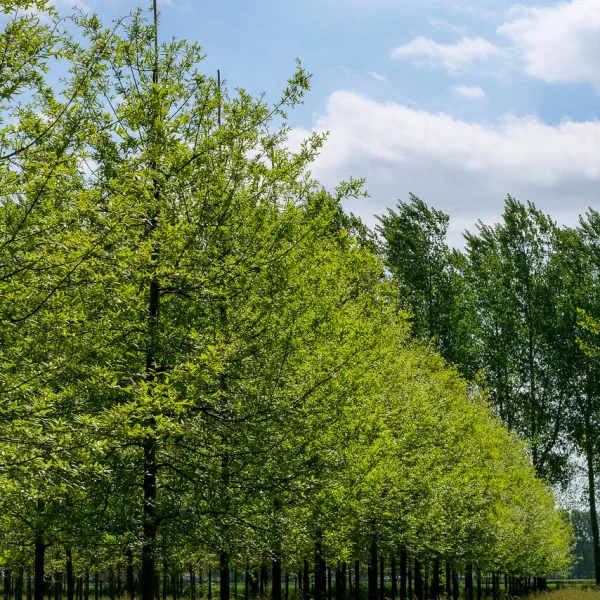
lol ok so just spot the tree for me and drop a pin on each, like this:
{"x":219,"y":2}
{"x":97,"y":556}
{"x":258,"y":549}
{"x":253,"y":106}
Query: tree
{"x":514,"y":292}
{"x":429,"y":276}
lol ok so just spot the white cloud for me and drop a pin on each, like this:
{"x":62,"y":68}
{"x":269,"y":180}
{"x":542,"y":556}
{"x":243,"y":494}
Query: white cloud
{"x":455,"y":58}
{"x":471,"y":92}
{"x":447,"y":26}
{"x":463,"y":167}
{"x":476,"y":10}
{"x":379,"y":77}
{"x":559,"y":43}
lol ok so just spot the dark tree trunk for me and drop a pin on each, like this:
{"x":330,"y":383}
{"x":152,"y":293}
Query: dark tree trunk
{"x":130,"y":577}
{"x":478,"y":585}
{"x":469,"y":582}
{"x":410,"y":585}
{"x":29,"y":586}
{"x":541,"y":584}
{"x":343,"y":582}
{"x":356,"y":580}
{"x":254,"y":583}
{"x":305,"y":582}
{"x":436,"y":581}
{"x":96,"y":585}
{"x":329,"y":583}
{"x":382,"y":579}
{"x":448,"y":580}
{"x":403,"y":574}
{"x":373,"y":571}
{"x":262,"y":585}
{"x":39,"y":567}
{"x":19,"y":584}
{"x":589,"y":451}
{"x":247,"y":583}
{"x":418,"y":581}
{"x":7,"y":581}
{"x":224,"y":576}
{"x":287,"y":586}
{"x":69,"y":574}
{"x":111,"y":584}
{"x":276,"y":576}
{"x":350,"y":588}
{"x":192,"y":583}
{"x":209,"y":584}
{"x":149,"y":519}
{"x":394,"y":579}
{"x":320,"y":570}
{"x":455,"y":588}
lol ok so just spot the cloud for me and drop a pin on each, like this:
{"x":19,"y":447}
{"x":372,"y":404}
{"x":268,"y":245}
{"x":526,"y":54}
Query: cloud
{"x":463,"y":167}
{"x":475,"y":10}
{"x":559,"y":43}
{"x":471,"y":92}
{"x":455,"y":58}
{"x":379,"y":77}
{"x":447,"y":26}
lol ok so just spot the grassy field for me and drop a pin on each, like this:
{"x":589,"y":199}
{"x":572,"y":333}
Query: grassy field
{"x":572,"y":592}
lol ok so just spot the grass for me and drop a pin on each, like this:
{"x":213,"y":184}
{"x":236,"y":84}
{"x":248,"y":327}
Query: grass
{"x":572,"y":592}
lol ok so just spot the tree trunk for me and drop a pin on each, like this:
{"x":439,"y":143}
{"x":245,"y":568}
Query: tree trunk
{"x":382,"y":579}
{"x":394,"y":579}
{"x":276,"y":578}
{"x":130,"y":576}
{"x":262,"y":584}
{"x":305,"y":582}
{"x":403,"y":568}
{"x":373,"y":571}
{"x":448,"y":580}
{"x":224,"y":576}
{"x":435,"y":583}
{"x":418,"y":581}
{"x":19,"y":584}
{"x":320,"y":570}
{"x":192,"y":583}
{"x":469,"y":582}
{"x":356,"y":580}
{"x":69,"y":574}
{"x":589,"y":451}
{"x":39,"y":567}
{"x":455,"y":587}
{"x":350,"y":588}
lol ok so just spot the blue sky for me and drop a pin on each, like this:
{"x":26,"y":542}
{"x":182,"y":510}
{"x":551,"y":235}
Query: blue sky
{"x":458,"y":102}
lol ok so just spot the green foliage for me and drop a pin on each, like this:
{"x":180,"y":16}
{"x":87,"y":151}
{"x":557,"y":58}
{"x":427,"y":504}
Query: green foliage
{"x":203,"y":356}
